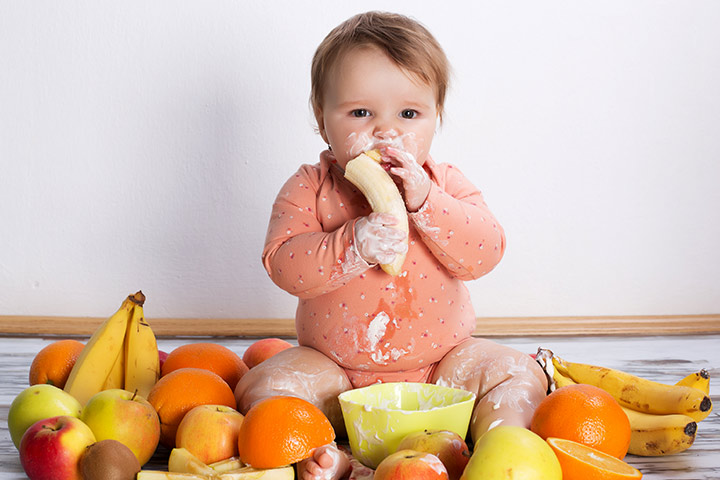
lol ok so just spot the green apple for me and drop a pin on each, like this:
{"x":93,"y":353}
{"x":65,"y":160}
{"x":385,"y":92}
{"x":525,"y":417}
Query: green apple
{"x":124,"y":416}
{"x":210,"y":432}
{"x":505,"y":448}
{"x":38,"y":403}
{"x":51,"y":448}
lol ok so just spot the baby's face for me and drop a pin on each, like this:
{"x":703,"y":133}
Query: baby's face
{"x":372,"y":102}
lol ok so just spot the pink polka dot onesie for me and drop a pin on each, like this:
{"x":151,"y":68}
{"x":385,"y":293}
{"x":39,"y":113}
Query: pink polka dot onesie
{"x":375,"y":326}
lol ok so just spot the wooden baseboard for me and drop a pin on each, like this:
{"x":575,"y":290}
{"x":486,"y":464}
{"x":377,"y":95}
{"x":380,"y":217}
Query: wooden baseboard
{"x":642,"y":325}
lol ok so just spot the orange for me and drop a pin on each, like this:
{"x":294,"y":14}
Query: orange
{"x":585,"y":414}
{"x":210,"y":356}
{"x":281,"y":431}
{"x":180,"y":391}
{"x":580,"y":462}
{"x":54,"y":362}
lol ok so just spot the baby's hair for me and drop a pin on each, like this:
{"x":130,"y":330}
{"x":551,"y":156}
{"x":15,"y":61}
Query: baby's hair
{"x":405,"y":41}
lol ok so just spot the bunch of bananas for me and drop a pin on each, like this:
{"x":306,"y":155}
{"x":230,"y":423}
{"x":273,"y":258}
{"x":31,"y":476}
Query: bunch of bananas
{"x":122,"y":353}
{"x":663,"y":417}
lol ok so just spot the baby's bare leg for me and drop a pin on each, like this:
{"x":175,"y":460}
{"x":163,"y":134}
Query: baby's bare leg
{"x":308,"y":374}
{"x":509,"y":384}
{"x":300,"y":372}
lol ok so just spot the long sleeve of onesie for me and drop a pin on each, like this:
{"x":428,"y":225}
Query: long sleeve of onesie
{"x":457,"y":226}
{"x":309,"y":247}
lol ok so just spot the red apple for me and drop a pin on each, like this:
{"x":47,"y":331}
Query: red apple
{"x":263,"y":349}
{"x":51,"y":449}
{"x":161,"y":356}
{"x":124,"y":416}
{"x":411,"y":465}
{"x":210,"y":432}
{"x":448,"y":446}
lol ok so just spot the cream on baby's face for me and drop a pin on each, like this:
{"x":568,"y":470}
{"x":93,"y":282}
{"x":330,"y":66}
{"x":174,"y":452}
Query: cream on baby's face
{"x":372,"y":102}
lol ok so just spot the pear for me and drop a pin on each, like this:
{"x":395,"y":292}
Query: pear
{"x":512,"y":453}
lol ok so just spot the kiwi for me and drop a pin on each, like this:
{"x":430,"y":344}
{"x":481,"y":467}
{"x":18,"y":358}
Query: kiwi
{"x":108,"y":460}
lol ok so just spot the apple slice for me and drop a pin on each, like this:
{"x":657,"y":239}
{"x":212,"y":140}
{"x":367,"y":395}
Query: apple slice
{"x":183,"y":461}
{"x":160,"y":475}
{"x":232,"y":463}
{"x":249,"y":473}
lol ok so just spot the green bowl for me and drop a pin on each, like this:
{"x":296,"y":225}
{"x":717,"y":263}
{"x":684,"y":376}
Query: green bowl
{"x":377,"y":417}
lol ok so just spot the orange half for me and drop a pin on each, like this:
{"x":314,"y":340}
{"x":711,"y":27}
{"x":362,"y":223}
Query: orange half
{"x":580,"y":462}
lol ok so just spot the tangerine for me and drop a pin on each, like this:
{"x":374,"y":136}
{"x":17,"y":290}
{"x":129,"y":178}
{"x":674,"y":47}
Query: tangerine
{"x":580,"y":462}
{"x":52,"y":364}
{"x":180,"y":391}
{"x":586,"y":414}
{"x":281,"y":430}
{"x":209,"y":356}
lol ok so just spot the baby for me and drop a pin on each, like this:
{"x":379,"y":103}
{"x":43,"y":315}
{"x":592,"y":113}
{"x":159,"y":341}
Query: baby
{"x":379,"y":82}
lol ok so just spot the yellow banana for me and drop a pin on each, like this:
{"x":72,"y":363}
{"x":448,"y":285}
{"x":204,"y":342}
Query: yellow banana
{"x":116,"y":377}
{"x":142,"y":365}
{"x":561,"y":380}
{"x":639,"y":393}
{"x":699,"y":380}
{"x":98,"y":357}
{"x":655,"y":435}
{"x":365,"y":172}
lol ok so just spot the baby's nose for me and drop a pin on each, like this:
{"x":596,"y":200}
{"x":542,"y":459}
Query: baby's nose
{"x":385,"y":133}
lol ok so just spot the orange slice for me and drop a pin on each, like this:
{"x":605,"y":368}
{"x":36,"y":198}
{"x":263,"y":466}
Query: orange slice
{"x":580,"y":462}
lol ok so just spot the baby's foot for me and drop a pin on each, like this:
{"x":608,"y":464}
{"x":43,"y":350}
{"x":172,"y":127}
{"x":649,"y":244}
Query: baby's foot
{"x":326,"y":463}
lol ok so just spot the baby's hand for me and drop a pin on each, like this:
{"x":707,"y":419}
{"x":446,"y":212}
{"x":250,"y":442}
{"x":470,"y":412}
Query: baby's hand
{"x":415,"y":180}
{"x":376,"y":240}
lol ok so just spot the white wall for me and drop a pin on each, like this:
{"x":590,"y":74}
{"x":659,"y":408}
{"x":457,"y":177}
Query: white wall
{"x":142,"y":144}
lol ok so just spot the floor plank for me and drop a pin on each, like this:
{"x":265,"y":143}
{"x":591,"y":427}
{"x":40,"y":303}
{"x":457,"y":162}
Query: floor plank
{"x":661,"y":358}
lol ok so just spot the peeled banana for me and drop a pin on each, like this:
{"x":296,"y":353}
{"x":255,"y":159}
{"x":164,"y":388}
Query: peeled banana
{"x":366,"y":173}
{"x":96,"y":361}
{"x":639,"y":393}
{"x":142,"y":364}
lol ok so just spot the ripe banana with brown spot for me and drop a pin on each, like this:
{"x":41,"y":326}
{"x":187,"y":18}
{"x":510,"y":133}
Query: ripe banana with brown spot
{"x":639,"y":393}
{"x":651,"y":435}
{"x":656,"y":435}
{"x":98,"y":357}
{"x":142,"y":364}
{"x":699,"y":380}
{"x":366,"y":173}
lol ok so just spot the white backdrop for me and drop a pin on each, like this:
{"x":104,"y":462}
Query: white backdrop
{"x":142,"y":144}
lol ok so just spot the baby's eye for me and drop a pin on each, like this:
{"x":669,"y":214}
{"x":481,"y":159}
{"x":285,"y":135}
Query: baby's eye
{"x":360,"y":112}
{"x":409,"y":114}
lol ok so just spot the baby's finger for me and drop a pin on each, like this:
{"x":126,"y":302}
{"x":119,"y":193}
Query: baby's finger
{"x":380,"y":218}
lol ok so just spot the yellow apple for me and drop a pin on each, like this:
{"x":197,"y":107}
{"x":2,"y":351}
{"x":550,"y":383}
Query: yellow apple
{"x":210,"y":432}
{"x":124,"y":416}
{"x":51,"y":448}
{"x":38,"y":403}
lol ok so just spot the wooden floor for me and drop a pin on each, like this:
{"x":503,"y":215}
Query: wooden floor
{"x":661,"y":358}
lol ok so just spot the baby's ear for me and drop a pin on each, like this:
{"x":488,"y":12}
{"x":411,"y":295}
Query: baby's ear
{"x":321,"y":126}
